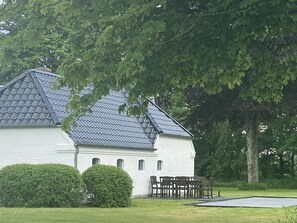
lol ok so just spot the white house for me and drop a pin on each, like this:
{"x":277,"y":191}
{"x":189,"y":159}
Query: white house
{"x":30,"y":132}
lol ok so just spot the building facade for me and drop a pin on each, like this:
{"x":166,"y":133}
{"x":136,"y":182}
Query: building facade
{"x":31,"y":112}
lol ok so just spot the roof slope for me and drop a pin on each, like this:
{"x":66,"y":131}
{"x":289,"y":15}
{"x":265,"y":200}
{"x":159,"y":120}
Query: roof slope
{"x":30,"y":100}
{"x":22,"y":105}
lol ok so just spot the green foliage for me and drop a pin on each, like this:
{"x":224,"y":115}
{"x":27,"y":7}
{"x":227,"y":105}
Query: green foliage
{"x":57,"y":185}
{"x":203,"y":156}
{"x":154,"y":47}
{"x":252,"y":186}
{"x":282,"y":183}
{"x":277,"y":143}
{"x":228,"y":161}
{"x":43,"y":185}
{"x":228,"y":183}
{"x":108,"y":186}
{"x":16,"y":189}
{"x":193,"y":43}
{"x":275,"y":183}
{"x":290,"y":216}
{"x":245,"y":45}
{"x":32,"y":35}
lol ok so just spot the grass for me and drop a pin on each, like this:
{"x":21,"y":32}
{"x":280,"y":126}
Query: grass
{"x":153,"y":210}
{"x":234,"y":192}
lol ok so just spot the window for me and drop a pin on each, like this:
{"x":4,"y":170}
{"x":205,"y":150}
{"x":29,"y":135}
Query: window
{"x":159,"y":165}
{"x":141,"y":165}
{"x":95,"y":161}
{"x":120,"y":163}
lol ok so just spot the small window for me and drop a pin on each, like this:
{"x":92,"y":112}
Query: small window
{"x":95,"y":161}
{"x":159,"y":165}
{"x":141,"y":165}
{"x":120,"y":163}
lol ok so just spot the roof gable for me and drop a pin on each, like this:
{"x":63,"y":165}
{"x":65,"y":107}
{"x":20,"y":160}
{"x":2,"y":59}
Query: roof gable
{"x":22,"y":105}
{"x":104,"y":126}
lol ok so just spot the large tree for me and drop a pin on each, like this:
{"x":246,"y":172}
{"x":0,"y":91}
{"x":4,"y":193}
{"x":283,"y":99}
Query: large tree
{"x":29,"y":39}
{"x":151,"y":47}
{"x":154,"y":46}
{"x":206,"y":110}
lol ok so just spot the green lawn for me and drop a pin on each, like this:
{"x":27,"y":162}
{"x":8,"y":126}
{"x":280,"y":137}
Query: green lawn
{"x":152,"y":210}
{"x":234,"y":192}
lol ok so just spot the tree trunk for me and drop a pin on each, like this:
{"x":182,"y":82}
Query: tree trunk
{"x":252,"y":148}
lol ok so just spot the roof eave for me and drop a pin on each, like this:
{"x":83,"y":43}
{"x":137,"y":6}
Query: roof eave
{"x":116,"y":147}
{"x":178,"y":136}
{"x":28,"y":126}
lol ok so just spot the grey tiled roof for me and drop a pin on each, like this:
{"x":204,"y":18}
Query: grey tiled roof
{"x":165,"y":122}
{"x":30,"y":100}
{"x":22,"y":105}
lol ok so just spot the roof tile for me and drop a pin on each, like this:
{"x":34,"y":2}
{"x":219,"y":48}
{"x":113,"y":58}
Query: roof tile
{"x":31,"y":101}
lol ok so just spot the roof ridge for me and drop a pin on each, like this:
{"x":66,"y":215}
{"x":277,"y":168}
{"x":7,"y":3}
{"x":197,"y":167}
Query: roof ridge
{"x":155,"y":124}
{"x":44,"y":72}
{"x":141,"y":120}
{"x":14,"y":80}
{"x":43,"y":94}
{"x":150,"y":117}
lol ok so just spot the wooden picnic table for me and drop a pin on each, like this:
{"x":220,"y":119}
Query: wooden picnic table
{"x":176,"y":187}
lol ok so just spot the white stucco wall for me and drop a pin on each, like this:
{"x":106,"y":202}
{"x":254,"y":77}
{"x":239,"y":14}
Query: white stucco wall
{"x":109,"y":156}
{"x":51,"y":145}
{"x":177,"y":155}
{"x":35,"y":145}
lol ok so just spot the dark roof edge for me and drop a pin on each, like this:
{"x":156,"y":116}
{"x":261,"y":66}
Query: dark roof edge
{"x":43,"y":95}
{"x":28,"y":126}
{"x":176,"y":122}
{"x":176,"y":136}
{"x":115,"y":147}
{"x":44,"y":72}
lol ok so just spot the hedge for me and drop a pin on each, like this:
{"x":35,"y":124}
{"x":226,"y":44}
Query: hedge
{"x":16,"y":187}
{"x":108,"y":186}
{"x":42,"y":185}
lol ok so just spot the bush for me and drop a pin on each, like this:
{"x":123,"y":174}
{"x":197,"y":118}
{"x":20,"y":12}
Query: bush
{"x":282,"y":183}
{"x":57,"y":185}
{"x":227,"y":184}
{"x":252,"y":186}
{"x":108,"y":186}
{"x":16,"y":187}
{"x":43,"y":185}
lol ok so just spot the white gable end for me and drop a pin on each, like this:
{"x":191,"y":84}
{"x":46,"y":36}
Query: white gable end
{"x":35,"y":145}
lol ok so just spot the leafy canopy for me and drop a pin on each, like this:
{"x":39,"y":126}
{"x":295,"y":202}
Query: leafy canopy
{"x":151,"y":47}
{"x":32,"y":35}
